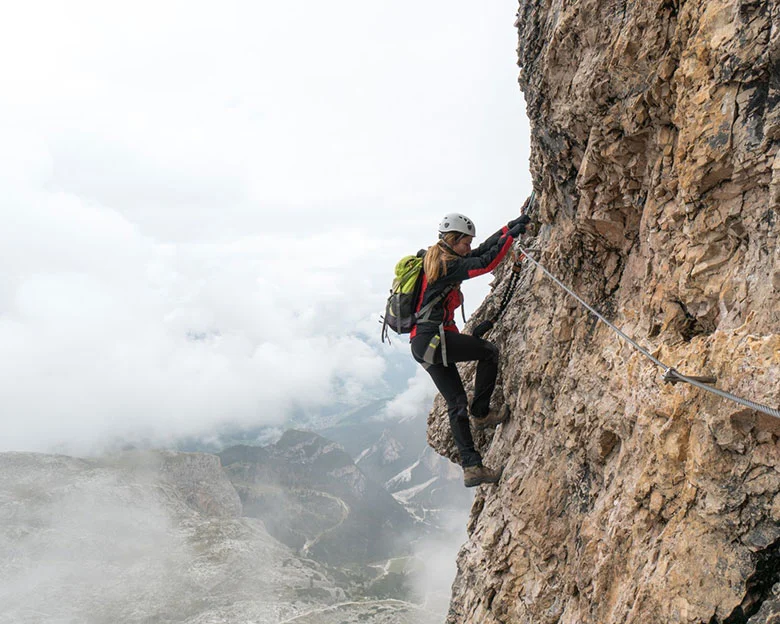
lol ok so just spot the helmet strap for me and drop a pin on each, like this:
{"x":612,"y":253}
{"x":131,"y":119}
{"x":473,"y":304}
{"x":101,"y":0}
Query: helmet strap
{"x":444,"y":244}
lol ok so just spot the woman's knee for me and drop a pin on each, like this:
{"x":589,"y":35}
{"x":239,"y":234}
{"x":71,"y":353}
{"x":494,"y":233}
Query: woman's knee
{"x":491,"y":352}
{"x":458,"y":406}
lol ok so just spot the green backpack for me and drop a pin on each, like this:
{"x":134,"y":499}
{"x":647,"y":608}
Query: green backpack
{"x":404,"y":295}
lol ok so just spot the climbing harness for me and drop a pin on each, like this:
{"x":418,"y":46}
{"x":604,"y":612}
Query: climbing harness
{"x":670,"y":374}
{"x":430,"y":351}
{"x":438,"y":340}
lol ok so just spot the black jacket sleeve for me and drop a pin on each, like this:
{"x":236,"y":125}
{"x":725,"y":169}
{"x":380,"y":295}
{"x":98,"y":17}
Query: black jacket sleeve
{"x":476,"y":264}
{"x":489,"y":243}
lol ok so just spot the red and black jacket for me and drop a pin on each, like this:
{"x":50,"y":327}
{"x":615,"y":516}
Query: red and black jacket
{"x":479,"y":261}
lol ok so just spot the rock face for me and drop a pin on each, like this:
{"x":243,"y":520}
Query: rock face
{"x":656,"y":164}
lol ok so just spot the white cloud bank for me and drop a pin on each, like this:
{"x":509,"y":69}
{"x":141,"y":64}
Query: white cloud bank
{"x":201,"y":205}
{"x":108,"y":333}
{"x":414,"y":401}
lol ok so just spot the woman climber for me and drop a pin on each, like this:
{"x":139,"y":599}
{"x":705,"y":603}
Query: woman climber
{"x":437,"y":344}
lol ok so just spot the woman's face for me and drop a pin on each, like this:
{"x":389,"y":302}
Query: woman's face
{"x":463,"y":246}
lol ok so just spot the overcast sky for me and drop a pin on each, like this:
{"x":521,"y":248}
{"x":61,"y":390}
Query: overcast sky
{"x":202,"y":202}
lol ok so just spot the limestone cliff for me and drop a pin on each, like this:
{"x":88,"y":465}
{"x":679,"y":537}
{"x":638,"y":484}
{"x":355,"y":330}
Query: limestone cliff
{"x":655,"y":159}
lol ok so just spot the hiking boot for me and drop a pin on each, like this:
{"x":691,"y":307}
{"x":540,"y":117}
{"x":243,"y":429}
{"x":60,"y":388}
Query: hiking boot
{"x":493,"y":419}
{"x":479,"y":474}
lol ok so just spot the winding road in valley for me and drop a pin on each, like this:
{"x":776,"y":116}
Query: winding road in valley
{"x":344,"y":514}
{"x":344,"y":612}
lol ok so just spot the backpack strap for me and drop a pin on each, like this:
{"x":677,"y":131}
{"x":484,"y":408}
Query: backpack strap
{"x":384,"y":330}
{"x":424,"y":313}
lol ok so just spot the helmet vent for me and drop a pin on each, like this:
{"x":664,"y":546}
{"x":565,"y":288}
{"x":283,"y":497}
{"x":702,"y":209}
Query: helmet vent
{"x":456,"y":222}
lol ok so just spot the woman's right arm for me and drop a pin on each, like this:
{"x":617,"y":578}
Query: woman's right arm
{"x":479,"y":264}
{"x":489,"y":243}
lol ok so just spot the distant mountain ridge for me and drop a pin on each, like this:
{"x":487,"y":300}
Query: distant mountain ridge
{"x":396,"y":454}
{"x":342,"y":515}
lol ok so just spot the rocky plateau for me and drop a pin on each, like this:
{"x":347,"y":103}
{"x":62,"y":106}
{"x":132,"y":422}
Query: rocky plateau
{"x":161,"y":536}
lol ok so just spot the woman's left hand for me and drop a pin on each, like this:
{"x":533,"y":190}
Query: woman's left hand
{"x":522,"y":221}
{"x":483,"y":328}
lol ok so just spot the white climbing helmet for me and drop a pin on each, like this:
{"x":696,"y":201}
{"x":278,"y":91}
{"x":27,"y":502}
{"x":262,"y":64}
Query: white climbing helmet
{"x":455,"y":222}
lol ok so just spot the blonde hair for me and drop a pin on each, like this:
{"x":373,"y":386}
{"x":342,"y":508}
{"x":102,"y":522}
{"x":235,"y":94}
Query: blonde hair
{"x":437,"y":256}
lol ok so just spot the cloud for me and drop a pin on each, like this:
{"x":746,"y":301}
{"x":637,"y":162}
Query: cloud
{"x":201,"y":208}
{"x":221,"y":119}
{"x":414,"y":401}
{"x":81,"y":541}
{"x":108,"y":333}
{"x":437,"y":557}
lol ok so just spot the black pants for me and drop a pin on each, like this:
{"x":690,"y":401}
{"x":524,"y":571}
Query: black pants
{"x":462,"y":348}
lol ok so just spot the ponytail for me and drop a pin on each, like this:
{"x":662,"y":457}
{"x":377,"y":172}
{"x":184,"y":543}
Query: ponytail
{"x":437,"y":256}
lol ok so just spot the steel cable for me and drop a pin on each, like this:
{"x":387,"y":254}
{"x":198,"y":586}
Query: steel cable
{"x":670,"y":374}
